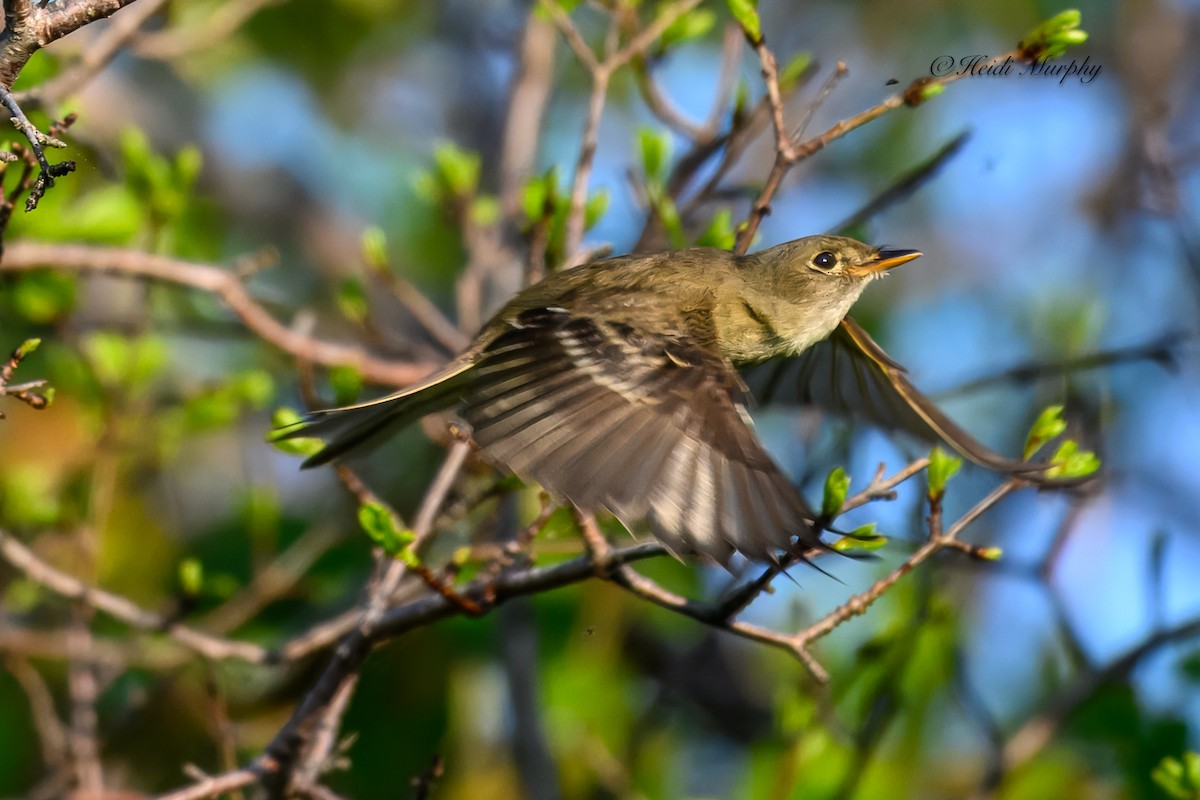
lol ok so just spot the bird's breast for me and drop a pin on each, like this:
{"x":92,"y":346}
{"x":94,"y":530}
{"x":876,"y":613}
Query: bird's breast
{"x":754,"y":327}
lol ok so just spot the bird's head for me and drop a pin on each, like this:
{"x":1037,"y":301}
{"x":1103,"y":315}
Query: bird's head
{"x":840,"y":257}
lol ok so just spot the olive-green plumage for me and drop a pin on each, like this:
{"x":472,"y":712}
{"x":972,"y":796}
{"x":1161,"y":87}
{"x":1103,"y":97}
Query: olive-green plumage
{"x":615,"y":385}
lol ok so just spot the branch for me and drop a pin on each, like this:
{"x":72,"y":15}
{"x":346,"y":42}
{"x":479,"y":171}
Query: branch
{"x":789,"y":153}
{"x":601,"y":72}
{"x":1032,"y":737}
{"x":1161,"y":351}
{"x":215,"y":29}
{"x":28,"y":28}
{"x":95,"y":57}
{"x":906,"y":184}
{"x":28,"y":392}
{"x":35,"y":569}
{"x":226,"y":285}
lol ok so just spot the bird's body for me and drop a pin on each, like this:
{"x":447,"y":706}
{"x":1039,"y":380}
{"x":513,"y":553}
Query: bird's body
{"x":735,"y":306}
{"x":615,"y":385}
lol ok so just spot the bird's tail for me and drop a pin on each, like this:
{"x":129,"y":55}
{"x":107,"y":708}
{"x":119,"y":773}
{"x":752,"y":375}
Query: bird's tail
{"x":366,"y":424}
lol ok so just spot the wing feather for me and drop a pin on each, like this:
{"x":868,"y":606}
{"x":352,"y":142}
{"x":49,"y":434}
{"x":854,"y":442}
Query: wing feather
{"x":850,"y":373}
{"x":650,"y":426}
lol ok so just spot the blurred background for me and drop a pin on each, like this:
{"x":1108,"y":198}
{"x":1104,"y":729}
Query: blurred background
{"x":1058,"y":220}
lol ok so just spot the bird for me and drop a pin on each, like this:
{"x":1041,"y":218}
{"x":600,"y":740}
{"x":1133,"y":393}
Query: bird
{"x":625,"y":384}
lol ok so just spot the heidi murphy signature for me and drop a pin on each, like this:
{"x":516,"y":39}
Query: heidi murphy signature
{"x":980,"y":65}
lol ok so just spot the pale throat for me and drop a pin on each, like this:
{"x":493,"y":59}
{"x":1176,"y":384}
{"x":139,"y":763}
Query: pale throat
{"x":761,"y":325}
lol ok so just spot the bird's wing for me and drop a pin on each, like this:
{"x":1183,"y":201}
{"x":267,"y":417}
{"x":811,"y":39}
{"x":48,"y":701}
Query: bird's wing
{"x":649,"y":426}
{"x":850,"y":373}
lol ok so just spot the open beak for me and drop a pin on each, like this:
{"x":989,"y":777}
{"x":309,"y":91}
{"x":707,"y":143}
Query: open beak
{"x":883,"y":261}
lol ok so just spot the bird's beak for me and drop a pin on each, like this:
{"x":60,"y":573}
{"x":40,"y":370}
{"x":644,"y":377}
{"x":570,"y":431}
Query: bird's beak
{"x":883,"y":261}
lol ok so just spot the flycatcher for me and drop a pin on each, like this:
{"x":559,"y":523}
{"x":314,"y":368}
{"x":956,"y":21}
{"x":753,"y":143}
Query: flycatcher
{"x":616,"y":385}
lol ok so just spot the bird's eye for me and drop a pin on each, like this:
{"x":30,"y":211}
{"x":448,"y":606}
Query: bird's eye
{"x":824,"y":260}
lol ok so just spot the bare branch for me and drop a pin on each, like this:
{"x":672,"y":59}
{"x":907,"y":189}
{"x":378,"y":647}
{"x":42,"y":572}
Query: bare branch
{"x":38,"y":571}
{"x":224,"y":284}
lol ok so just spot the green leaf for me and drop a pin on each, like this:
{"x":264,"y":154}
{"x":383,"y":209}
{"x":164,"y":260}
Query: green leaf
{"x":255,"y":388}
{"x":863,"y":538}
{"x":485,"y":210}
{"x":425,"y":186}
{"x":380,"y":524}
{"x":1049,"y":425}
{"x":746,"y":13}
{"x":655,"y":147}
{"x":1053,"y":37}
{"x":719,"y":232}
{"x":990,"y":553}
{"x":352,"y":300}
{"x":942,"y":467}
{"x":1071,"y":462}
{"x":931,"y":90}
{"x":533,"y":199}
{"x":281,"y":421}
{"x":121,"y":361}
{"x":164,"y":186}
{"x":347,"y":382}
{"x":837,"y":484}
{"x":1179,"y":777}
{"x":668,"y":215}
{"x":26,"y":347}
{"x":691,"y":25}
{"x":459,"y":169}
{"x":29,"y":496}
{"x":374,"y":248}
{"x":595,"y":208}
{"x":43,"y":296}
{"x":188,"y":163}
{"x":795,"y":68}
{"x":191,"y":577}
{"x":213,"y":409}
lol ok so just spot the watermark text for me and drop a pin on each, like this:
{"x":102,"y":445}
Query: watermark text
{"x":986,"y":66}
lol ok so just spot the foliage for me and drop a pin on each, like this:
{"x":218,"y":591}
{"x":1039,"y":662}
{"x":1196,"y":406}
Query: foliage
{"x":365,"y":142}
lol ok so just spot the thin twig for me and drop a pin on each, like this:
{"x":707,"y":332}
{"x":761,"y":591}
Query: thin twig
{"x":1162,"y":351}
{"x":788,"y":153}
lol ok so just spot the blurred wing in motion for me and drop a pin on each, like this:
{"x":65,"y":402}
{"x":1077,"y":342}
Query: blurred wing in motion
{"x":849,"y":373}
{"x":650,"y":426}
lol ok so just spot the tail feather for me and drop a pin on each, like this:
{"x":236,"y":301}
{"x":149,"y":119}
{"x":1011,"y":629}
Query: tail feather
{"x":363,"y":425}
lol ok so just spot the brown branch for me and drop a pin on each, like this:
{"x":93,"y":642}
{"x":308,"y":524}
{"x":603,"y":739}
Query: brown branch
{"x":51,"y":736}
{"x":906,"y":184}
{"x":27,"y":392}
{"x":94,"y":58}
{"x":1162,"y":351}
{"x":1038,"y":732}
{"x":881,"y":487}
{"x":28,"y":28}
{"x":318,"y":708}
{"x":31,"y":26}
{"x":601,"y":72}
{"x":424,"y":611}
{"x":789,"y":153}
{"x":218,"y":785}
{"x":219,"y":26}
{"x":22,"y":256}
{"x":82,"y":735}
{"x":43,"y":574}
{"x":423,"y":310}
{"x":528,"y":97}
{"x":859,"y":603}
{"x":589,"y":140}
